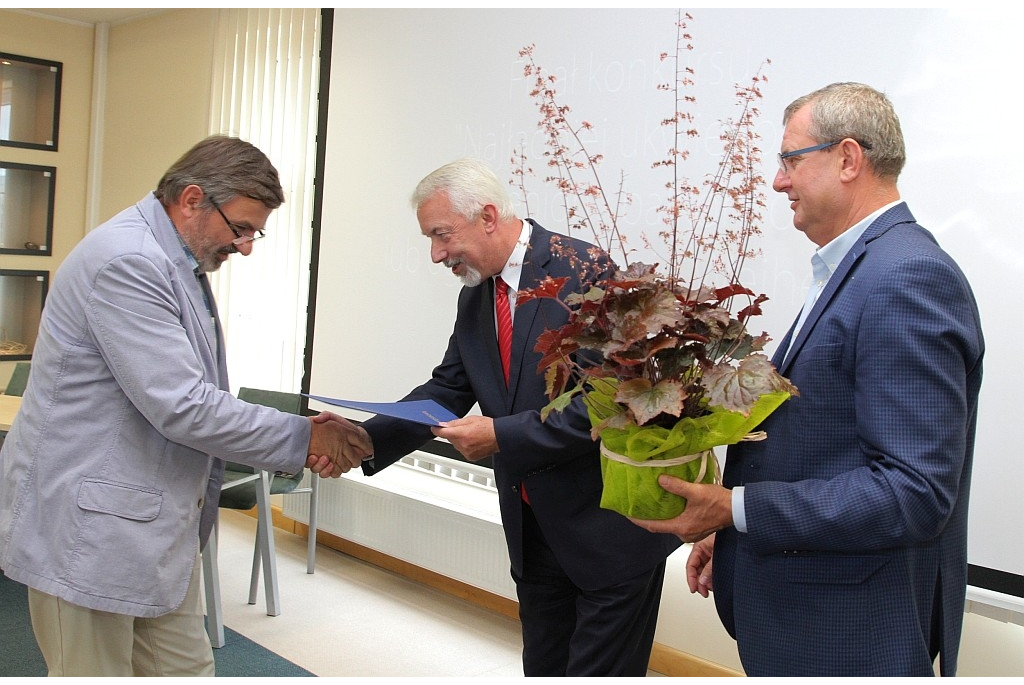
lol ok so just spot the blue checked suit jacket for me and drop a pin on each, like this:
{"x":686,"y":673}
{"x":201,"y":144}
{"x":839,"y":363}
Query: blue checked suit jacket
{"x":855,"y":559}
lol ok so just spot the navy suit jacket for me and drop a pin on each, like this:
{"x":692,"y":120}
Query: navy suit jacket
{"x":855,"y":559}
{"x":557,"y":459}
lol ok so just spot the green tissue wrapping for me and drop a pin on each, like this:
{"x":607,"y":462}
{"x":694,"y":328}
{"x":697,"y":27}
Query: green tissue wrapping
{"x":633,"y":490}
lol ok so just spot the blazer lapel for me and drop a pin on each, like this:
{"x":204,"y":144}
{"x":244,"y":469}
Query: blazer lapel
{"x":837,"y":278}
{"x":212,"y":330}
{"x":780,"y":352}
{"x":167,"y":237}
{"x":534,"y":271}
{"x":895,"y":215}
{"x":207,"y":317}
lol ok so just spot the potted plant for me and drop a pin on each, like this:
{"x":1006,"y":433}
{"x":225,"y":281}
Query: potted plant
{"x":662,"y":353}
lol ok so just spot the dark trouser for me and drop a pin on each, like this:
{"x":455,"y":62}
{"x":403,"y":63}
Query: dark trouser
{"x":572,"y":632}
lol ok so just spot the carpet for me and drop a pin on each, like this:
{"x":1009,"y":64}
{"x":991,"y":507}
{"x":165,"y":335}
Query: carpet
{"x":20,"y":657}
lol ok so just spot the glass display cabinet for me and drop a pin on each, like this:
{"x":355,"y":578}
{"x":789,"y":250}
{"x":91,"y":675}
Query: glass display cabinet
{"x":29,"y":102}
{"x":22,"y":294}
{"x":26,"y":208}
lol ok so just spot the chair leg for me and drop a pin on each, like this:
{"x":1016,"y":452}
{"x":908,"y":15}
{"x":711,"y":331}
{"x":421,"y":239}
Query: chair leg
{"x":211,"y":583}
{"x":266,"y":544}
{"x":257,"y":555}
{"x":311,"y":543}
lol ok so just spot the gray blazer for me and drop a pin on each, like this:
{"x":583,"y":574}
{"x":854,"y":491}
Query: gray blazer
{"x":110,"y":475}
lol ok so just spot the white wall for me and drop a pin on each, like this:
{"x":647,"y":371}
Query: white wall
{"x":413,"y":89}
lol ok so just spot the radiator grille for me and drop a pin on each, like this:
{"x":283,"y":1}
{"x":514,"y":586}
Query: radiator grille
{"x":427,"y":510}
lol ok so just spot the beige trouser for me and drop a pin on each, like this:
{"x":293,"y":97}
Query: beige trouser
{"x":76,"y":641}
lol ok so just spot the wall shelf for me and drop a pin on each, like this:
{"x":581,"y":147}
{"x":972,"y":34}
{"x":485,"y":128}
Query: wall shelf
{"x":26,"y":208}
{"x":29,"y":102}
{"x":22,"y":294}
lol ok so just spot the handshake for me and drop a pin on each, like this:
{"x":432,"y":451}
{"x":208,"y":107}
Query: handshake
{"x":336,"y":445}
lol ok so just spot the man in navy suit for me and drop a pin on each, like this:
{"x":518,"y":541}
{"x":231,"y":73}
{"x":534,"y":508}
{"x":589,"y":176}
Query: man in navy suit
{"x":588,"y":581}
{"x":841,"y":544}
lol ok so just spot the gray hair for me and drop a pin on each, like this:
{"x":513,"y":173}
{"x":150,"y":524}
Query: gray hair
{"x":225,"y":168}
{"x":469,"y":185}
{"x":854,"y":110}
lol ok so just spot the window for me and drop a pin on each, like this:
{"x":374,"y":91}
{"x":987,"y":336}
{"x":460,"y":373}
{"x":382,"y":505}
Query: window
{"x":265,"y":91}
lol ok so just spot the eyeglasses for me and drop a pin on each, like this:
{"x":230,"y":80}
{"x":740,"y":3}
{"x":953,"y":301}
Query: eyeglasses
{"x":242,"y":234}
{"x":783,"y":156}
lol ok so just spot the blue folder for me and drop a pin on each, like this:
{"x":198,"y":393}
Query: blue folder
{"x":427,"y":412}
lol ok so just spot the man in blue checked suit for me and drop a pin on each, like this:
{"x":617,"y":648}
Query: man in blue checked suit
{"x":839,"y":544}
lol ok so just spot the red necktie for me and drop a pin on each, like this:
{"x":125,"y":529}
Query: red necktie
{"x":504,"y":313}
{"x":503,"y":310}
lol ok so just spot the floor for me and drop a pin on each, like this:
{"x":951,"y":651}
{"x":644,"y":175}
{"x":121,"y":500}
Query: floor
{"x":351,"y":618}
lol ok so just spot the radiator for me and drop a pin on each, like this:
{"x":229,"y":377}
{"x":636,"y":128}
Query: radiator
{"x":427,"y":510}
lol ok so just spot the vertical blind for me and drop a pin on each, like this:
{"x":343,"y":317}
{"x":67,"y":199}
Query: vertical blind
{"x":264,"y":91}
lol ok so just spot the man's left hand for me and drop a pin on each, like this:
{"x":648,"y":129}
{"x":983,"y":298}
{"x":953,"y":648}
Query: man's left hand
{"x":708,"y":508}
{"x":472,"y":436}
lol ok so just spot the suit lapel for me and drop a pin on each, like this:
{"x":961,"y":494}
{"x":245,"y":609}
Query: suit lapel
{"x":534,"y":271}
{"x":198,"y":289}
{"x":212,"y":330}
{"x":834,"y":282}
{"x":167,"y":237}
{"x":895,"y":215}
{"x":778,"y":358}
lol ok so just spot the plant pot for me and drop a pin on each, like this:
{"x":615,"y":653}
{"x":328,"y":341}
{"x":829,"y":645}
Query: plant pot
{"x":633,"y":457}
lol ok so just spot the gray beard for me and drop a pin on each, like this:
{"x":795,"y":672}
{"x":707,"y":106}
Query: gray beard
{"x":209,"y":265}
{"x":471,"y":278}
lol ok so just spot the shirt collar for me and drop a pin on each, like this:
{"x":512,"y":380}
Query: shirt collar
{"x":831,"y":254}
{"x":513,"y":270}
{"x":192,"y":261}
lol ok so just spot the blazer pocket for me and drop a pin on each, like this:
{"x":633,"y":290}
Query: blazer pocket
{"x":831,"y":569}
{"x":120,"y":499}
{"x":816,"y":354}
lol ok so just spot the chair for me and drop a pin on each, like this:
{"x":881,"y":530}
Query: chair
{"x":243,"y":488}
{"x":19,"y":379}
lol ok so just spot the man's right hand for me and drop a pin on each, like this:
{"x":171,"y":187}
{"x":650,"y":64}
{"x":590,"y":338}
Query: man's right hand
{"x":698,"y":566}
{"x":336,"y":445}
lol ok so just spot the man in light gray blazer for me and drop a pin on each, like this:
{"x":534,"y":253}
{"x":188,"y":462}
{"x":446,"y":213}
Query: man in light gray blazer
{"x":841,"y":544}
{"x":111,"y":473}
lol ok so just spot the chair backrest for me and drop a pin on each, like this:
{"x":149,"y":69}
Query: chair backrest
{"x":19,"y":379}
{"x":289,"y":402}
{"x":244,"y":496}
